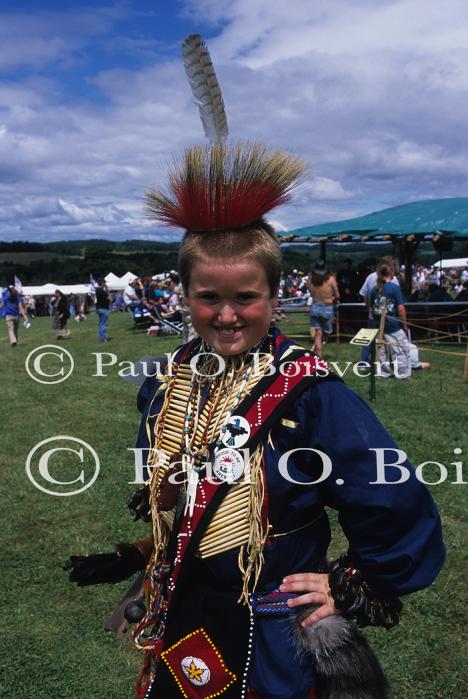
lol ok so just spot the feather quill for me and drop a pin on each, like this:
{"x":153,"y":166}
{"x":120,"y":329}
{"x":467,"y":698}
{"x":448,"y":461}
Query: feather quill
{"x":205,"y":88}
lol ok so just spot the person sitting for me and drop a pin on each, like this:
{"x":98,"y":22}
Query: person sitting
{"x":130,"y":297}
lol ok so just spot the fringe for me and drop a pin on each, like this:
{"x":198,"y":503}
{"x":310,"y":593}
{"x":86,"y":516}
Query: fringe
{"x":251,"y":556}
{"x":344,"y":664}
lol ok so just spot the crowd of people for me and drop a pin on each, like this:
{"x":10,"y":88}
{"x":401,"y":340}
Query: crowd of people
{"x":434,"y":284}
{"x":428,"y":283}
{"x":155,"y":299}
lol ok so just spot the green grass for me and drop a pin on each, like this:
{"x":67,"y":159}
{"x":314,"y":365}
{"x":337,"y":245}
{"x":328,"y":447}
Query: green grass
{"x":51,"y":632}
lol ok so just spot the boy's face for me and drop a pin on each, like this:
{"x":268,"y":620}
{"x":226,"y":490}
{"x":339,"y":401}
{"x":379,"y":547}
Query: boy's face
{"x":230,"y":305}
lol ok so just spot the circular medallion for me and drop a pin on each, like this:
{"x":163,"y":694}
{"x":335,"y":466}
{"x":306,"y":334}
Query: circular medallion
{"x":228,"y":465}
{"x":195,"y":670}
{"x":236,"y":432}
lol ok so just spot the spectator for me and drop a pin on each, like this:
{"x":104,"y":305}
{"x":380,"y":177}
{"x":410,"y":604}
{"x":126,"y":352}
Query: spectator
{"x":60,"y":314}
{"x":173,"y":303}
{"x":103,"y":304}
{"x":438,"y":294}
{"x":118,"y":304}
{"x":365,"y":292}
{"x":371,"y":279}
{"x":12,"y":308}
{"x":130,"y":297}
{"x":80,"y":307}
{"x":324,"y":292}
{"x":139,"y":288}
{"x":463,"y":295}
{"x":386,"y":297}
{"x":347,"y":281}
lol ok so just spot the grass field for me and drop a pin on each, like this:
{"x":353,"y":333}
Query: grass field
{"x":53,"y":645}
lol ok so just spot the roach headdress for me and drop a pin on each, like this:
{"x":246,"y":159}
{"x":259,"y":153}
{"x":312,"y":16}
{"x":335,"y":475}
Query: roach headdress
{"x":224,"y":186}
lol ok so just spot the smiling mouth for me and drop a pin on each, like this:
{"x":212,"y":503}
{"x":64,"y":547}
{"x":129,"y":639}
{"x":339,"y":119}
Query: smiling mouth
{"x":227,"y":332}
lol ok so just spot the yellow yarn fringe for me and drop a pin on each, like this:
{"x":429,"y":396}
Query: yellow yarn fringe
{"x":251,"y":558}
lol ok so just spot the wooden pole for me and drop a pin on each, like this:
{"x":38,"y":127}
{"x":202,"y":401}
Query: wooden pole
{"x":372,"y":374}
{"x":323,"y":250}
{"x":337,"y":349}
{"x":380,"y":336}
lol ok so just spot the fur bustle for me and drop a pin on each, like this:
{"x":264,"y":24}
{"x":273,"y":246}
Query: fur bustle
{"x":344,"y":664}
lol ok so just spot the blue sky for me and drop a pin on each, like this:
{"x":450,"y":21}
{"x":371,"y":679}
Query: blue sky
{"x":94,"y":102}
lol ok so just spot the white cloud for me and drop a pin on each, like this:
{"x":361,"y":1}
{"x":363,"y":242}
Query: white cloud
{"x":373,"y":95}
{"x":323,"y":188}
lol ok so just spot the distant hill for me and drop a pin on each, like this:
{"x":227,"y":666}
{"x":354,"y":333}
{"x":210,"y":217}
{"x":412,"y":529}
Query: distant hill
{"x":72,"y":262}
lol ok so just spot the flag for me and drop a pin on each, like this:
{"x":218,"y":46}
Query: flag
{"x":93,"y":283}
{"x":18,"y":285}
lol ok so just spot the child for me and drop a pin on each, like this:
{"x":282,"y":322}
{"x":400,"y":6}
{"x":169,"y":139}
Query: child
{"x":263,"y":439}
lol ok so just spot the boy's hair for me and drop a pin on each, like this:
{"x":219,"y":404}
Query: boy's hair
{"x":257,"y":243}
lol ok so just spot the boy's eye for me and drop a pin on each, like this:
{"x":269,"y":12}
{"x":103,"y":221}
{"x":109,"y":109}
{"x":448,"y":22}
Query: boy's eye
{"x":246,"y":296}
{"x":208,"y":296}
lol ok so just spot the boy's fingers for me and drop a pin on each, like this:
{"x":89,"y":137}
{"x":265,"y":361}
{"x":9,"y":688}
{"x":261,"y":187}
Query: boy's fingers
{"x":320,"y":613}
{"x":309,"y":598}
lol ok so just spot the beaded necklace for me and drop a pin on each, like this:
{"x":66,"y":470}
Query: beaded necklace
{"x":186,"y":429}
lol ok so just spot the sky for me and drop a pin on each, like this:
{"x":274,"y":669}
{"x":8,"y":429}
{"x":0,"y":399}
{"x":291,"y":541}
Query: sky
{"x":94,"y":103}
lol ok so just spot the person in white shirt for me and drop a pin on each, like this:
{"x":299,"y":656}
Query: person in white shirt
{"x":129,"y":296}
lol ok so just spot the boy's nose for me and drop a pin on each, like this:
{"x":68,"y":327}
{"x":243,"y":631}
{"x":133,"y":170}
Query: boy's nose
{"x":227,"y":314}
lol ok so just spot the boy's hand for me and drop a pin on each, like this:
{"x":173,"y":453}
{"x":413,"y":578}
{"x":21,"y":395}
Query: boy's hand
{"x":316,"y":591}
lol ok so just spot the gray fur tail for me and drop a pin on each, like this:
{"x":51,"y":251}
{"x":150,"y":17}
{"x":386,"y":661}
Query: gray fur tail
{"x":344,"y":664}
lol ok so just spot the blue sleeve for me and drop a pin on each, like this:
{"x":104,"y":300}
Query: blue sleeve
{"x":393,"y":530}
{"x":399,"y":298}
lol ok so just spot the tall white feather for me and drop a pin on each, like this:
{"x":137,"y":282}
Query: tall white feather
{"x":205,"y":87}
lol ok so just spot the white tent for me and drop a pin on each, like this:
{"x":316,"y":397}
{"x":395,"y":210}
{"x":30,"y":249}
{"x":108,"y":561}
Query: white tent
{"x":113,"y":282}
{"x":43,"y":290}
{"x":48,"y":289}
{"x":455,"y":263}
{"x":75,"y":288}
{"x":127,"y":278}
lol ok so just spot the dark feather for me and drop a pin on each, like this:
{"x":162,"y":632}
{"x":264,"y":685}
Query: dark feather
{"x":205,"y":87}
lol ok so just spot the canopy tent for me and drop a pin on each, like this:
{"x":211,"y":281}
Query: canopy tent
{"x":113,"y":282}
{"x":440,"y":221}
{"x":127,"y":278}
{"x":454,"y":263}
{"x":423,"y":219}
{"x":48,"y":289}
